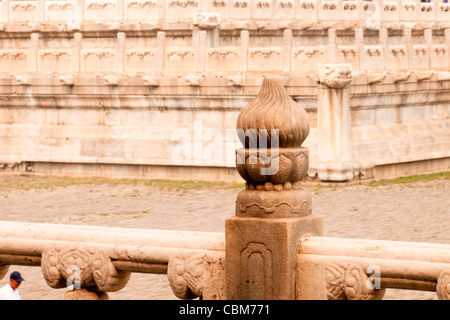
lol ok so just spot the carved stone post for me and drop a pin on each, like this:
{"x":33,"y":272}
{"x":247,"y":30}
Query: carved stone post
{"x":274,"y":211}
{"x":334,"y":124}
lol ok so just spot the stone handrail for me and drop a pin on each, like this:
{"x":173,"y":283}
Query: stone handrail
{"x":337,"y":269}
{"x":326,"y":268}
{"x":105,"y":257}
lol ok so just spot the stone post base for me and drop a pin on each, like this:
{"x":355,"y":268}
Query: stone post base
{"x":261,"y":255}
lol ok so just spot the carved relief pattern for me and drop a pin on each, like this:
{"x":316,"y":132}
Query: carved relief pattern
{"x":256,"y":287}
{"x":443,"y":285}
{"x":440,"y":50}
{"x":13,"y":55}
{"x":97,"y":55}
{"x":23,"y":5}
{"x":409,"y":7}
{"x":95,"y":5}
{"x":308,"y":5}
{"x":261,"y":4}
{"x":186,"y":276}
{"x":285,"y":4}
{"x":390,"y":7}
{"x":348,"y":52}
{"x":374,"y":51}
{"x":308,"y":53}
{"x":426,"y":7}
{"x":329,"y":5}
{"x":420,"y":51}
{"x":179,"y":54}
{"x":140,"y":55}
{"x":349,"y":282}
{"x":60,"y":6}
{"x":350,"y":5}
{"x":183,"y":3}
{"x":264,"y":53}
{"x":55,"y":56}
{"x":219,"y":3}
{"x":398,"y":51}
{"x":223,"y":54}
{"x":240,"y":3}
{"x":142,"y":4}
{"x":96,"y":269}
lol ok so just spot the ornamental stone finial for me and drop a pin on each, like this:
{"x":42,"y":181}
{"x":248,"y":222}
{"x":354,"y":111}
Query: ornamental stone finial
{"x":274,"y":211}
{"x":273,"y":114}
{"x":272,"y":128}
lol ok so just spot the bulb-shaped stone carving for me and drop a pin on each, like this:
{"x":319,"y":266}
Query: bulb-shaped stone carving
{"x":272,"y":129}
{"x":273,"y":118}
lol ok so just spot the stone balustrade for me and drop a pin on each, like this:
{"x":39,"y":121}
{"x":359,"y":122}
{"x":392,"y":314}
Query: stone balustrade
{"x":123,"y":55}
{"x":105,"y":257}
{"x":356,"y":269}
{"x":221,"y":37}
{"x":100,"y":260}
{"x":210,"y":13}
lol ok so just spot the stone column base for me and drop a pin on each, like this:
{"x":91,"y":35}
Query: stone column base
{"x":261,"y":255}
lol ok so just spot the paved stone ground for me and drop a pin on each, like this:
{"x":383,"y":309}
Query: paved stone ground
{"x":417,"y":211}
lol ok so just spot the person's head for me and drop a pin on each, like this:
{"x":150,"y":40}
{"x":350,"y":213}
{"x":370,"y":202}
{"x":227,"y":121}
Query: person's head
{"x":15,"y":279}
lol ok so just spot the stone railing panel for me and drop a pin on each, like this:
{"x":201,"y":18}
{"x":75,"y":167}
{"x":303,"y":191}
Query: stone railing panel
{"x":354,"y":269}
{"x":264,"y":59}
{"x":14,"y":60}
{"x":62,"y":11}
{"x":140,"y":61}
{"x":306,"y":59}
{"x":55,"y":61}
{"x":98,"y":10}
{"x":97,"y":60}
{"x":223,"y":59}
{"x":23,"y":11}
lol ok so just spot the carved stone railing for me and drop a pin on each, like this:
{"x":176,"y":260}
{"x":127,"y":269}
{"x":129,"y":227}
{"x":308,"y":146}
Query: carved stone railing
{"x":209,"y":13}
{"x":354,"y":269}
{"x":100,"y":259}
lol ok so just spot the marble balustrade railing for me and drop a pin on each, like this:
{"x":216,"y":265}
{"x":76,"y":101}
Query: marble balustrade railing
{"x":327,"y":268}
{"x":76,"y":11}
{"x":423,"y":51}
